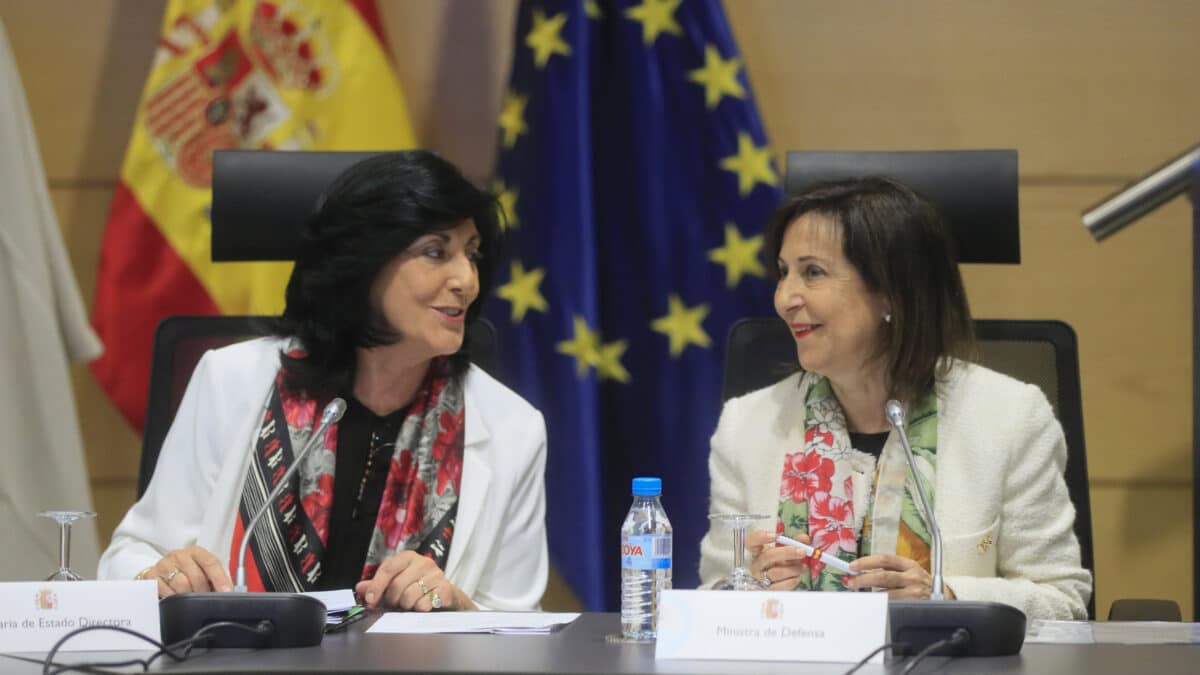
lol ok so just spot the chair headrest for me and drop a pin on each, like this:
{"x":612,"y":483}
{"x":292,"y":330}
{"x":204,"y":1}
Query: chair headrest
{"x":975,"y":191}
{"x":262,"y":198}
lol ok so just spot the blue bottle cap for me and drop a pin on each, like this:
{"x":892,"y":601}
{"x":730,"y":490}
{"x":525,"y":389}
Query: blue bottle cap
{"x":647,"y":487}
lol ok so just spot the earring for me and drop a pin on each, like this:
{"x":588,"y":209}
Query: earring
{"x":887,"y":317}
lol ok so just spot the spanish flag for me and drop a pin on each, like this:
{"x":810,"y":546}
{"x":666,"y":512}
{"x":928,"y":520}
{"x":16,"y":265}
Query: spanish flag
{"x":248,"y":74}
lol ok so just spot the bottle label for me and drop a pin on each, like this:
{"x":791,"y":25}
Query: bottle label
{"x":646,"y":552}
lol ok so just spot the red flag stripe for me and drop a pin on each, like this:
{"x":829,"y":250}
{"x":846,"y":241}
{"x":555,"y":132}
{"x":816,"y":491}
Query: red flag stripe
{"x":369,"y":12}
{"x":136,"y":265}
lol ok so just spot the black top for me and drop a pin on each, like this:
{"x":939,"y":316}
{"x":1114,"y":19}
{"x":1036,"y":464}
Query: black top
{"x":871,"y":444}
{"x":365,"y":446}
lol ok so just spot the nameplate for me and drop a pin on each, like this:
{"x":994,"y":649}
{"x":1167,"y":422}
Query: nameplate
{"x":35,"y":615}
{"x":771,"y":626}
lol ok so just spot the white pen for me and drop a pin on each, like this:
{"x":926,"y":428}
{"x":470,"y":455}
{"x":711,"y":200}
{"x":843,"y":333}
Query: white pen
{"x":831,"y":560}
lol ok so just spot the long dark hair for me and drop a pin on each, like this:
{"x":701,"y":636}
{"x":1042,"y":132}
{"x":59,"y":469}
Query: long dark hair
{"x":370,"y":214}
{"x":903,"y":251}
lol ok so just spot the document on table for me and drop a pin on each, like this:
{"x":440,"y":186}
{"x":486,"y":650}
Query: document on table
{"x":337,"y":603}
{"x":1113,"y":632}
{"x":499,"y":623}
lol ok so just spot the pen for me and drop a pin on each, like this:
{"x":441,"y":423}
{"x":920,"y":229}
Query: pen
{"x":833,"y":561}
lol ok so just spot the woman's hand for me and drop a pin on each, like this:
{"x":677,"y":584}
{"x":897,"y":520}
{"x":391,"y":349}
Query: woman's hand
{"x":188,"y":570}
{"x":902,"y":578}
{"x":779,"y":565}
{"x":413,"y":582}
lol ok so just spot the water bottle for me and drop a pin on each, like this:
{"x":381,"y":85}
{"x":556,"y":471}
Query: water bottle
{"x":645,"y":560}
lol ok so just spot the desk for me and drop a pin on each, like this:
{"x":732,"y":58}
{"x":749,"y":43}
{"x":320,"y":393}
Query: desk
{"x":581,"y":649}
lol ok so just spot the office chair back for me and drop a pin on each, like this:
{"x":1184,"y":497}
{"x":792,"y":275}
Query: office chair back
{"x":180,"y":341}
{"x":761,"y":351}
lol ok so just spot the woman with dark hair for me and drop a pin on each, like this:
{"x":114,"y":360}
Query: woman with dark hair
{"x":428,"y":493}
{"x":868,"y":283}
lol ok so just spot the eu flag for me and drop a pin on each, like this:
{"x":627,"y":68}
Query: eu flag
{"x":636,"y":176}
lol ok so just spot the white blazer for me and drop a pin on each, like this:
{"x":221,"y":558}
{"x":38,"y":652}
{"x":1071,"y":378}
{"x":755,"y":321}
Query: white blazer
{"x":1000,"y":499}
{"x":497,"y":555}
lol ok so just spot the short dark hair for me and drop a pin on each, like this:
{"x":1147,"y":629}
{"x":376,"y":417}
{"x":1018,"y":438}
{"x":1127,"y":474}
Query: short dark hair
{"x":903,"y":251}
{"x":370,"y":214}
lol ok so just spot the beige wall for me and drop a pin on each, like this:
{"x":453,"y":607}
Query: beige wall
{"x":1091,"y":93}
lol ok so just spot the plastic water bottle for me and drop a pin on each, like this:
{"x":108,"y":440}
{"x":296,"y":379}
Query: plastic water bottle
{"x":645,"y":560}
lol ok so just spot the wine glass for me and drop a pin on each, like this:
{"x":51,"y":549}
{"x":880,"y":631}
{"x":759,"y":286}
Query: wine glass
{"x":64,"y":520}
{"x":739,"y":579}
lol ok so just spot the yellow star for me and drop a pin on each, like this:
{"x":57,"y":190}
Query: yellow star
{"x":544,"y":38}
{"x":738,"y":255}
{"x":682,"y":325}
{"x":719,"y":77}
{"x":609,"y":362}
{"x":656,"y":16}
{"x":585,"y":347}
{"x":512,"y":119}
{"x":508,"y":204}
{"x":592,"y":8}
{"x":523,"y":291}
{"x":752,"y":165}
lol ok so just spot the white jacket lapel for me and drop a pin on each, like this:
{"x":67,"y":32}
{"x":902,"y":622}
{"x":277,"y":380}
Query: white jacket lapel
{"x":476,"y":477}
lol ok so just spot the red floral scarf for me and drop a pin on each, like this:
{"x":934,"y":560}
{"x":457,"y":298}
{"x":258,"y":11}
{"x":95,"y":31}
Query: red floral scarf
{"x":849,"y":504}
{"x":420,"y":495}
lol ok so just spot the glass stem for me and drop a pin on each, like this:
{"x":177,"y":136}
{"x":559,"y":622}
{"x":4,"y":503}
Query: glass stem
{"x":64,"y":545}
{"x":739,"y":547}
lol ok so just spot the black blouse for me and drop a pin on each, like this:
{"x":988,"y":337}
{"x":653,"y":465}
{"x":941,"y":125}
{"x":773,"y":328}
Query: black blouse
{"x":365,"y":445}
{"x":871,"y":444}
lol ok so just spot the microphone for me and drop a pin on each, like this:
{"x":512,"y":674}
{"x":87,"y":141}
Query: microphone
{"x":895,"y":415}
{"x":332,"y":413}
{"x":993,"y":628}
{"x":274,"y":619}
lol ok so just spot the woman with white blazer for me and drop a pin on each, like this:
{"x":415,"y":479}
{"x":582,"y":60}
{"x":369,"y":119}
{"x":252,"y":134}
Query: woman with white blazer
{"x":428,"y":493}
{"x":869,"y":285}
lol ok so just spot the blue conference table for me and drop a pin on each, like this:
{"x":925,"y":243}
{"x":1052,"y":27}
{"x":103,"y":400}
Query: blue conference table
{"x":582,"y":649}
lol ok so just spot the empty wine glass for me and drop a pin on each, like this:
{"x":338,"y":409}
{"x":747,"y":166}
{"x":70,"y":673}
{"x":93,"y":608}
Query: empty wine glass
{"x":64,"y":520}
{"x":739,"y":579}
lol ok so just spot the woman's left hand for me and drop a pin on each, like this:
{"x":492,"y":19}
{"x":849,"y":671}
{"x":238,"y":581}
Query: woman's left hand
{"x":411,"y":581}
{"x":902,"y":578}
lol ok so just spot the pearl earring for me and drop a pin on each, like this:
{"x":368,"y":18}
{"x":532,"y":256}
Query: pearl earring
{"x":887,"y":317}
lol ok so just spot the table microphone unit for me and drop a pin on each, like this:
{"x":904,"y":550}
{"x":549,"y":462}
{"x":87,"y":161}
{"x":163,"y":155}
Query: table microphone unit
{"x":295,"y":619}
{"x":995,"y":629}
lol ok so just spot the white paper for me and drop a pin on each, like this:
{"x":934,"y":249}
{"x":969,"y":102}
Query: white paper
{"x":1113,"y":632}
{"x":509,"y":623}
{"x":771,"y":626}
{"x":335,"y":601}
{"x":1059,"y":632}
{"x":34,"y":615}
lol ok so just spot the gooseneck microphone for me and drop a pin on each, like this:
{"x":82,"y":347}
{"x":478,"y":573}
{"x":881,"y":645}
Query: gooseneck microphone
{"x":991,"y":628}
{"x":895,"y":415}
{"x":332,"y":413}
{"x":275,"y":619}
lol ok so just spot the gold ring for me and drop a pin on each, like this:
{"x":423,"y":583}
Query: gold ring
{"x":436,"y":600}
{"x":423,"y":587}
{"x":170,"y":575}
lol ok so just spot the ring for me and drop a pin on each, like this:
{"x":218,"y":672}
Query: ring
{"x":170,"y":575}
{"x":423,"y":587}
{"x":436,"y":600}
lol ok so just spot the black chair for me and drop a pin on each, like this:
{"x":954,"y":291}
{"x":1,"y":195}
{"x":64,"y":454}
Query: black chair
{"x":180,"y":341}
{"x":760,"y":351}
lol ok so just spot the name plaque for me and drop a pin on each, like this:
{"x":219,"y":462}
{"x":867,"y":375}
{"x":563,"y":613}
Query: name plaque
{"x":35,"y":615}
{"x":771,"y":626}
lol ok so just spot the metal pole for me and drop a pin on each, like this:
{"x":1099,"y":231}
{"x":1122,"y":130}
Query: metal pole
{"x":1141,"y":197}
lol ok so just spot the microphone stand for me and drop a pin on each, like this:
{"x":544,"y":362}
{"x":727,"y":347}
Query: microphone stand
{"x":994,"y":629}
{"x":279,"y":619}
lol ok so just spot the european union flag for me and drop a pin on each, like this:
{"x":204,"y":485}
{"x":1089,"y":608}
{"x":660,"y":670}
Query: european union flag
{"x":637,"y":178}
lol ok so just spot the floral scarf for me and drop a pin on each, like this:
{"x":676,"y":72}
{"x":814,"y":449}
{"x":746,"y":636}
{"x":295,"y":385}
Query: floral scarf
{"x":829,"y":488}
{"x":420,"y":495}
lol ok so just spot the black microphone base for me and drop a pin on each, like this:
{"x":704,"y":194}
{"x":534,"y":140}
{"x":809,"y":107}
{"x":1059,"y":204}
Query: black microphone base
{"x":296,"y":620}
{"x":995,"y":629}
